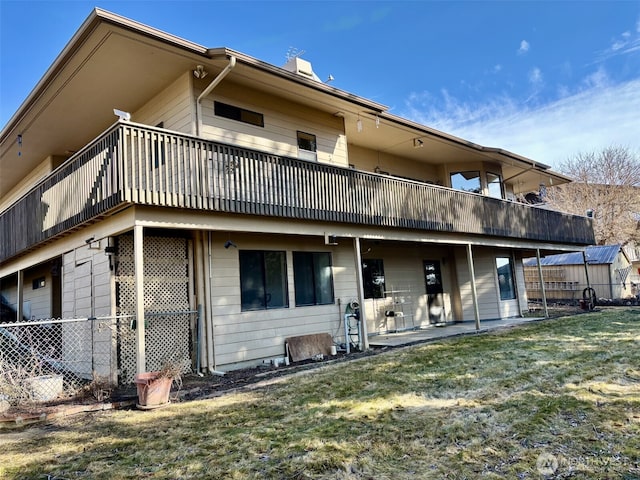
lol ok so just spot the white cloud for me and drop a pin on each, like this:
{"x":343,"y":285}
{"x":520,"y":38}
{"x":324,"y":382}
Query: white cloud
{"x":594,"y":118}
{"x":598,"y":79}
{"x":626,"y":43}
{"x":535,"y":76}
{"x":524,"y":47}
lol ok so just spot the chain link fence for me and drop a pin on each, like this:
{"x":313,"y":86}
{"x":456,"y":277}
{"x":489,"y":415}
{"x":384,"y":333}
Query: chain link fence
{"x":52,"y":360}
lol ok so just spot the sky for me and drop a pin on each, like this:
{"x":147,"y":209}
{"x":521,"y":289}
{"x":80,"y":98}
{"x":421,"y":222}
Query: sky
{"x":546,"y":80}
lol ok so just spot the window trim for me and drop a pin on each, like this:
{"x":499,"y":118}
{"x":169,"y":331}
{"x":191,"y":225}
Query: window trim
{"x":500,"y":184}
{"x":306,"y":153}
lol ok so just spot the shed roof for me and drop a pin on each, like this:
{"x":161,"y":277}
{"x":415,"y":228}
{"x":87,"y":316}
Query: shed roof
{"x":596,"y":255}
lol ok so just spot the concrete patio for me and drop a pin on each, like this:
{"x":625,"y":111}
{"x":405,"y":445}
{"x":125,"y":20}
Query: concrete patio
{"x":408,"y":337}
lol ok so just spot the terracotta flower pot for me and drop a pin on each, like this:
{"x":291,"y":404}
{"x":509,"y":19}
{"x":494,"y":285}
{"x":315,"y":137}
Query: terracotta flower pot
{"x":153,"y":390}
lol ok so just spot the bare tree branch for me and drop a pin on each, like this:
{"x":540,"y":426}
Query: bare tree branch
{"x":607,"y":183}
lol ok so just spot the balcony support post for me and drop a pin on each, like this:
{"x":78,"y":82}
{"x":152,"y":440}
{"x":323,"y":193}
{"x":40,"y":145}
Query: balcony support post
{"x":474,"y":291}
{"x":364,"y":340}
{"x":543,"y":290}
{"x":138,"y":253}
{"x":20,"y":297}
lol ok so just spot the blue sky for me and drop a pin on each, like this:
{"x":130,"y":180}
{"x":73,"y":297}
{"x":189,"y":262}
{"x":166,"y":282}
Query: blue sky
{"x":546,"y":80}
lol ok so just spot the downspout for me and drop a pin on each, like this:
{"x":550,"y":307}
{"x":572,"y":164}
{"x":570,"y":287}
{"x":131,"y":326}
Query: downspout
{"x":206,"y":268}
{"x":207,"y":91}
{"x":211,"y":336}
{"x":201,"y":300}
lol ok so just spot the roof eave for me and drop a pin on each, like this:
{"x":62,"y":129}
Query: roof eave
{"x":95,"y":18}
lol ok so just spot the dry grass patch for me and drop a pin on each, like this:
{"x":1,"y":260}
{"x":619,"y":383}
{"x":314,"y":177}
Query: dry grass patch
{"x":554,"y":399}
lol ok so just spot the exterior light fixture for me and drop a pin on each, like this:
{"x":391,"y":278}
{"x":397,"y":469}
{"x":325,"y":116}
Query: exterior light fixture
{"x":200,"y":72}
{"x":124,"y":116}
{"x":417,"y":143}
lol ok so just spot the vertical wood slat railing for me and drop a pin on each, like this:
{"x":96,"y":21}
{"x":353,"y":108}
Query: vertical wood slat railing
{"x":81,"y":189}
{"x":205,"y":175}
{"x":132,"y":163}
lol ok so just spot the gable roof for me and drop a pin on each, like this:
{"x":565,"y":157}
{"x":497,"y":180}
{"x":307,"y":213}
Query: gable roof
{"x":596,"y":255}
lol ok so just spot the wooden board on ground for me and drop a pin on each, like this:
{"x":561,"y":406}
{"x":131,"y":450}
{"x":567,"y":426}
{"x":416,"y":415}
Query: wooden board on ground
{"x":306,"y":346}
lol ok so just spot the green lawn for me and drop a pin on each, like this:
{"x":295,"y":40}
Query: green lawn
{"x":552,"y":399}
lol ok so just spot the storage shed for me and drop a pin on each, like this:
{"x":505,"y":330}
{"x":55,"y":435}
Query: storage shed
{"x":565,"y":275}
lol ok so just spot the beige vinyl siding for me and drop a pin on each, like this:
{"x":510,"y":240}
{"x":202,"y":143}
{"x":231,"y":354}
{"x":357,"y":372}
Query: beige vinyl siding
{"x":367,"y":160}
{"x":87,"y":282}
{"x":405,"y":287}
{"x":42,"y":170}
{"x":247,"y":337}
{"x":520,"y":285}
{"x":39,"y":300}
{"x":282,"y":121}
{"x":174,"y":107}
{"x":486,"y":287}
{"x":36,"y":303}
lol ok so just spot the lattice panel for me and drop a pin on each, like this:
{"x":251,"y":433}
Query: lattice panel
{"x":166,"y":290}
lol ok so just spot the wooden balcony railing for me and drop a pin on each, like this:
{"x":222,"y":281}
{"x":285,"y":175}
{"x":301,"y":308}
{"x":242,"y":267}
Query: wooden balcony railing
{"x":135,"y":164}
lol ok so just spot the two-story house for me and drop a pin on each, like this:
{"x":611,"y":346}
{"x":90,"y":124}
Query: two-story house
{"x":146,"y":176}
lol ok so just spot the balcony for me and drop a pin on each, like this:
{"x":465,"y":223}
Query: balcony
{"x":135,"y":164}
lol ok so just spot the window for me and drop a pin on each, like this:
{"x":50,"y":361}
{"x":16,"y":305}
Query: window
{"x":306,"y":146}
{"x":306,"y":141}
{"x":373,"y":278}
{"x":432,"y":277}
{"x":466,"y":181}
{"x":263,"y":280}
{"x":494,"y":185}
{"x":505,"y":278}
{"x":239,"y":114}
{"x":313,"y":278}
